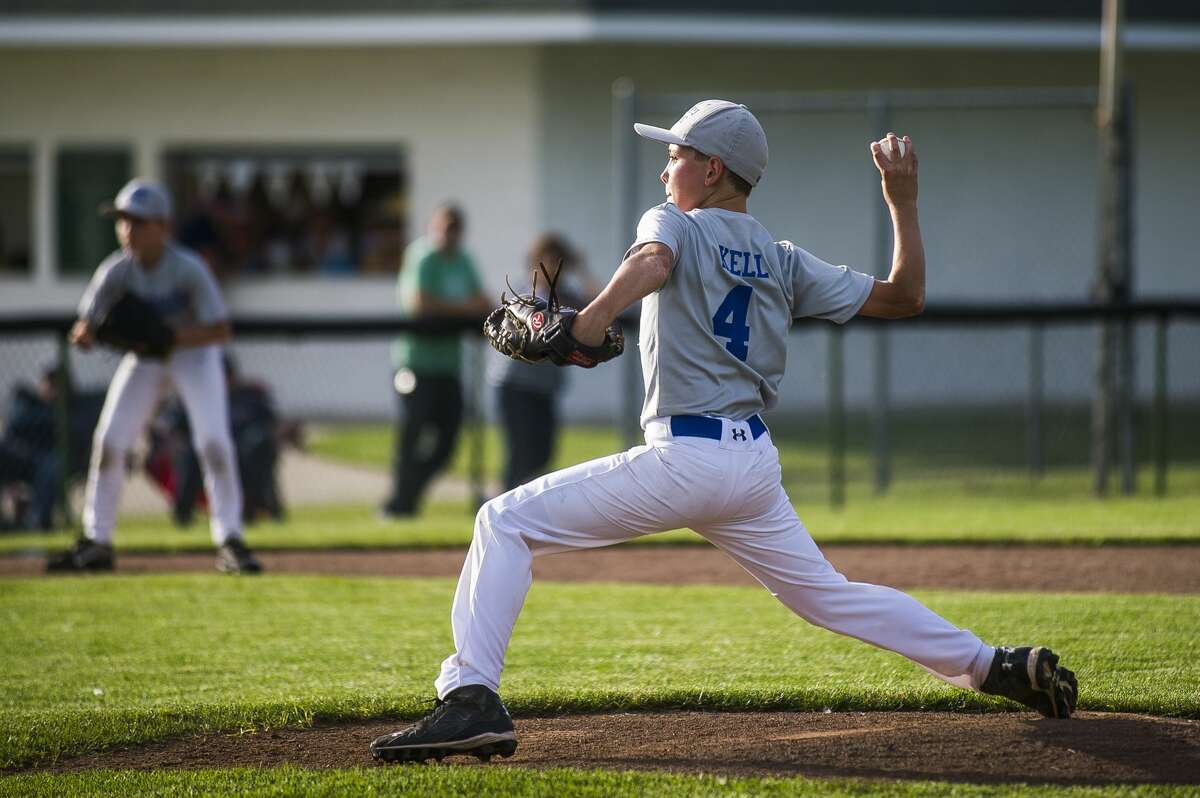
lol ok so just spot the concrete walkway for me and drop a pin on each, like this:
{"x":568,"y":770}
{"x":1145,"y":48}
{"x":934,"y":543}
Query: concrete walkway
{"x":304,"y":480}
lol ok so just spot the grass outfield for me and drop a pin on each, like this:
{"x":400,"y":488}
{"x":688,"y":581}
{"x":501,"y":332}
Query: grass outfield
{"x":926,"y":442}
{"x":960,"y":478}
{"x":90,"y":663}
{"x":947,"y":452}
{"x":905,"y":516}
{"x":956,"y":479}
{"x":436,"y":782}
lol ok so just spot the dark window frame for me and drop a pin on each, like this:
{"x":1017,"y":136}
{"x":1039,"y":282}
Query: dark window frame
{"x":89,"y":209}
{"x":27,"y":149}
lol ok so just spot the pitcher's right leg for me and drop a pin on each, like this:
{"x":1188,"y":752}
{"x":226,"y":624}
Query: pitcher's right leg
{"x":127,"y":407}
{"x":594,"y":504}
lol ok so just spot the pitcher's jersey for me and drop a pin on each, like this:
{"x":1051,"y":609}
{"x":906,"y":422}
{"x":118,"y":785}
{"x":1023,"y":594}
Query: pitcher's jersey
{"x":713,"y":339}
{"x":180,"y":287}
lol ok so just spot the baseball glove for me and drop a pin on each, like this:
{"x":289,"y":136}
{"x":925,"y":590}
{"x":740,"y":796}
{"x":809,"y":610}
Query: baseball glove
{"x":532,"y":329}
{"x":133,"y":325}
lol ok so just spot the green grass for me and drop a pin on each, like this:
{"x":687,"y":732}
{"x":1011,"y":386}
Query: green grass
{"x":960,"y":478}
{"x":371,"y":445}
{"x":458,"y":781}
{"x":90,"y":663}
{"x":972,"y":452}
{"x":902,"y":517}
{"x":337,"y":526}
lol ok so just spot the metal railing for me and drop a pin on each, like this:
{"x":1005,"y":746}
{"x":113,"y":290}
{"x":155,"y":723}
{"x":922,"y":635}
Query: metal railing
{"x":1036,"y":317}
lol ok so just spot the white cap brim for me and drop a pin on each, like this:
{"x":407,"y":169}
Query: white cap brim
{"x":658,"y":134}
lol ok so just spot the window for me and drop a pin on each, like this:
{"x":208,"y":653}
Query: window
{"x":16,"y":202}
{"x":332,"y":211}
{"x":87,"y":177}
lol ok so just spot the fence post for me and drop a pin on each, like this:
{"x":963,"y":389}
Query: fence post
{"x":1161,"y":408}
{"x":1036,"y":400}
{"x":1126,"y":407}
{"x":1114,"y":272}
{"x":837,"y":418}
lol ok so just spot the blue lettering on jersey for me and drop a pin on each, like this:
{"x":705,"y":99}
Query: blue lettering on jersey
{"x":758,"y":269}
{"x":743,"y":264}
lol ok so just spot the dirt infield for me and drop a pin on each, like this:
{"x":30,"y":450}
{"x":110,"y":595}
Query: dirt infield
{"x":1092,"y":748}
{"x":1089,"y":749}
{"x":1120,"y":569}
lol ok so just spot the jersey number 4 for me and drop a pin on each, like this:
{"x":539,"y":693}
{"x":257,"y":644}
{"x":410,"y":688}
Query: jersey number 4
{"x":730,"y":321}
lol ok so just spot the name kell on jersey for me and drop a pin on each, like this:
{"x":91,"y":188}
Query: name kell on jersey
{"x":742,"y":263}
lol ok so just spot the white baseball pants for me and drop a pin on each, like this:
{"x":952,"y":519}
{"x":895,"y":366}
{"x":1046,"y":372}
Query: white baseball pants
{"x":198,"y":376}
{"x":728,"y":491}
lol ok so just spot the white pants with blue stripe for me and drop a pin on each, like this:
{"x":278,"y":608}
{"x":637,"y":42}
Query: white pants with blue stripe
{"x":728,"y":491}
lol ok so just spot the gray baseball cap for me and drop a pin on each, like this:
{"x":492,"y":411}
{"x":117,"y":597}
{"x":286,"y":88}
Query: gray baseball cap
{"x":721,"y":128}
{"x":140,"y":197}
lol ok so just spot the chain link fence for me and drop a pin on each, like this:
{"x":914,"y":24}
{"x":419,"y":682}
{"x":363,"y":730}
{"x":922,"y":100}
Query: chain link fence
{"x":995,"y":410}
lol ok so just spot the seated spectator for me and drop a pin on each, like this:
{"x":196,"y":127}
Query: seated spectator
{"x":257,"y":436}
{"x":29,"y":458}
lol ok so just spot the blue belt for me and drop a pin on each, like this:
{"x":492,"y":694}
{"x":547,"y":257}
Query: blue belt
{"x":705,"y":427}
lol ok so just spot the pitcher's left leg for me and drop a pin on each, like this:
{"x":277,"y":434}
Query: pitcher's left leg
{"x":778,"y":551}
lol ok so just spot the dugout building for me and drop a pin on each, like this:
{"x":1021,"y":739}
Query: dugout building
{"x":308,"y":141}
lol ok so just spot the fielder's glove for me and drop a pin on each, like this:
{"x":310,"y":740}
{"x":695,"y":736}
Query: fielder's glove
{"x":528,"y":328}
{"x":133,"y":325}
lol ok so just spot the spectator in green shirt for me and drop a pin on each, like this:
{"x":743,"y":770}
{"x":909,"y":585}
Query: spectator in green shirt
{"x":437,"y":279}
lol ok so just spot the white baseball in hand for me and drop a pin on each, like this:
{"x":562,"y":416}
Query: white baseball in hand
{"x":885,"y":145}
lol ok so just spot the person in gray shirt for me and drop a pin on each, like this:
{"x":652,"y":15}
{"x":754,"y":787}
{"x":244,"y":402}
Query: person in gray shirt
{"x":719,"y":297}
{"x":179,"y":286}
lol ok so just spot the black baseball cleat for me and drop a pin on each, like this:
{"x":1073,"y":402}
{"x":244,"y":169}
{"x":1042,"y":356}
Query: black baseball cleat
{"x":234,"y":558}
{"x":1032,"y":677}
{"x":470,"y":720}
{"x":85,"y":555}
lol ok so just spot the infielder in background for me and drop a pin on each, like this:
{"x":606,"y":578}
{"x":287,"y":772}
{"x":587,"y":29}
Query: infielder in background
{"x":720,"y":296}
{"x":176,"y":284}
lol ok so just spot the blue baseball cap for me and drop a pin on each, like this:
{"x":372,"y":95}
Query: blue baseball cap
{"x":140,"y":197}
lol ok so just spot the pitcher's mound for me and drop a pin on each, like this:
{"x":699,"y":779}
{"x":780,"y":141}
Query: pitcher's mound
{"x":1091,"y":748}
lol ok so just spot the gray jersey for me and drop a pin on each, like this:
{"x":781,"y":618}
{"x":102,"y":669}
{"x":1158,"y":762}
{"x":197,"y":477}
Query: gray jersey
{"x":713,"y":339}
{"x":180,"y":287}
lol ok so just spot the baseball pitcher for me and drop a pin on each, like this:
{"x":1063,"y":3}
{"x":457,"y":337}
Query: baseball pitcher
{"x":719,"y":297}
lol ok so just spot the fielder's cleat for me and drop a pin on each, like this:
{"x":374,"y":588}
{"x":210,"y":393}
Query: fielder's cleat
{"x":234,"y":558}
{"x":470,"y":720}
{"x":1032,"y":677}
{"x":85,"y":555}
